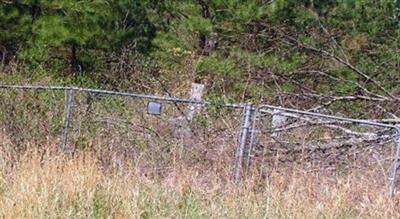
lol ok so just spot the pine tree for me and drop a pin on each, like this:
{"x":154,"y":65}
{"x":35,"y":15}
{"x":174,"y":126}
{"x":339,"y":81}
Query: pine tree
{"x":49,"y":30}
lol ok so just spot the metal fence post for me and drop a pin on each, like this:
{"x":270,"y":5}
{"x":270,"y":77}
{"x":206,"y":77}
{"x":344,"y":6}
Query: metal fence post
{"x":253,"y":132}
{"x":396,"y":163}
{"x":67,"y":117}
{"x":242,"y":141}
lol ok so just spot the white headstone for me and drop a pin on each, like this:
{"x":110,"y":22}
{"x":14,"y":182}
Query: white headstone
{"x":182,"y":126}
{"x":196,"y":94}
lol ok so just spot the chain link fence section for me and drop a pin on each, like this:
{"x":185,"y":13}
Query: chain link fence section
{"x":160,"y":134}
{"x":122,"y":129}
{"x":287,"y":139}
{"x":30,"y":117}
{"x":155,"y":134}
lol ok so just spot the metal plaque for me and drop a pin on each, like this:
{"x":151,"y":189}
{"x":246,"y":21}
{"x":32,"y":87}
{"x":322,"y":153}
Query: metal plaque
{"x":154,"y":108}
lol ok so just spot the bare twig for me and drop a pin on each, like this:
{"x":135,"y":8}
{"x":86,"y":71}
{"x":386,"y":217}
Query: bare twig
{"x":342,"y":61}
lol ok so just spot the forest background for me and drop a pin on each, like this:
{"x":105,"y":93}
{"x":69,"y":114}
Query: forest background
{"x":330,"y":56}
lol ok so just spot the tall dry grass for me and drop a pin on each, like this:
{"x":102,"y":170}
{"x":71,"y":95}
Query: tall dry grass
{"x":45,"y":185}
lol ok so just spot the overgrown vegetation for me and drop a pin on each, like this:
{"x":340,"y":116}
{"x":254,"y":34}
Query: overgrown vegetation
{"x":339,"y":55}
{"x":333,"y":56}
{"x":43,"y":185}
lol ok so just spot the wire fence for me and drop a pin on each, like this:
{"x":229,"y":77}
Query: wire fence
{"x":158,"y":134}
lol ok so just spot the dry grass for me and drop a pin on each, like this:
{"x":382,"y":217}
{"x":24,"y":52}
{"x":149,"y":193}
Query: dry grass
{"x":47,"y":186}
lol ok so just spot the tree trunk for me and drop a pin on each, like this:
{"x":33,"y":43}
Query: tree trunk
{"x":74,"y":62}
{"x":204,"y":40}
{"x":35,"y":11}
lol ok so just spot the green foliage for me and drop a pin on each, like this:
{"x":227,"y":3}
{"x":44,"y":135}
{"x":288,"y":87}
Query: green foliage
{"x":239,"y":49}
{"x":218,"y":65}
{"x":261,"y":49}
{"x":48,"y":30}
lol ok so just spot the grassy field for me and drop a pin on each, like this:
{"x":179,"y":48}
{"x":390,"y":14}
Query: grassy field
{"x":46,"y":185}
